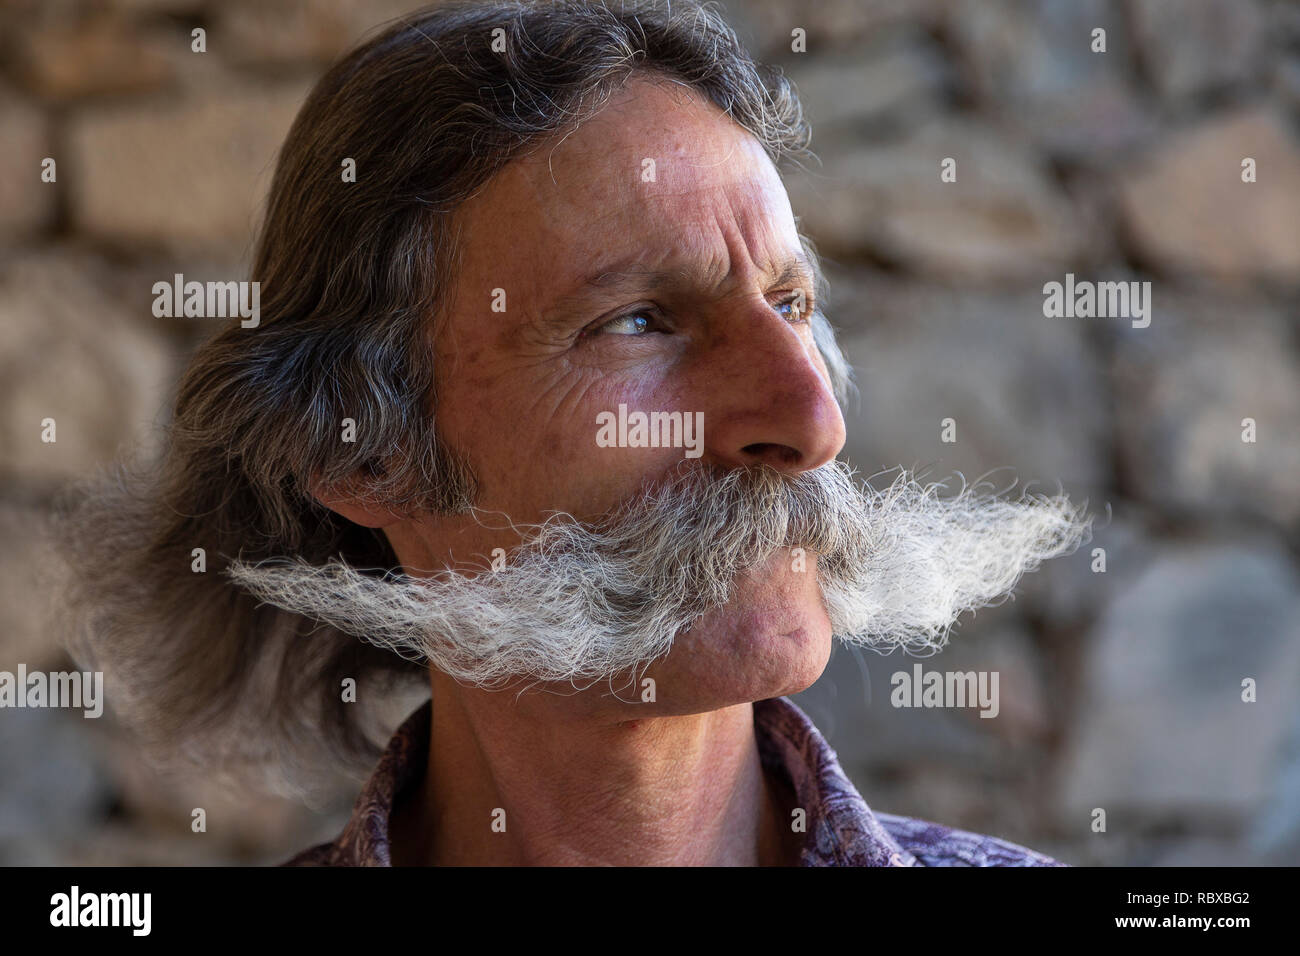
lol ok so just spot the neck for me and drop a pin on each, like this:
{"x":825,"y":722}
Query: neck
{"x":581,"y":790}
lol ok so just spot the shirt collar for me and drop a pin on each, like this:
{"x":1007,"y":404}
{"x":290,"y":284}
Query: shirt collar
{"x":841,"y":829}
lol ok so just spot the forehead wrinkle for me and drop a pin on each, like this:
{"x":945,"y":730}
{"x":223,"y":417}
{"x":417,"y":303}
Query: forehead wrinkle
{"x":785,"y":268}
{"x":711,"y":254}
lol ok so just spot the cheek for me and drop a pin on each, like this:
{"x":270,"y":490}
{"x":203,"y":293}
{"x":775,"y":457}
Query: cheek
{"x":565,"y":414}
{"x":531,"y":432}
{"x":530,"y":426}
{"x":504,"y":413}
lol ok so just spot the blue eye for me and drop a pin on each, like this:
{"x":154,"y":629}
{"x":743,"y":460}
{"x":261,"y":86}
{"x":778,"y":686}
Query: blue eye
{"x":789,"y":303}
{"x":632,"y":323}
{"x":637,"y":324}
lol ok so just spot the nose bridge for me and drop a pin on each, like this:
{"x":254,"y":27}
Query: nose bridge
{"x":769,"y":398}
{"x":776,"y":360}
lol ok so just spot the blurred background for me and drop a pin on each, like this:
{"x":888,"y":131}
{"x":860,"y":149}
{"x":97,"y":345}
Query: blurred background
{"x":1120,"y":689}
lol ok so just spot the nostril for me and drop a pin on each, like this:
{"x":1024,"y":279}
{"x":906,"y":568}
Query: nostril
{"x":773,"y":453}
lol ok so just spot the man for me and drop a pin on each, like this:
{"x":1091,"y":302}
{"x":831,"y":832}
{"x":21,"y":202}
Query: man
{"x":627,"y":539}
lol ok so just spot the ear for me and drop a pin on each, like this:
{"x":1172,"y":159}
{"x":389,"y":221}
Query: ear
{"x":352,"y":507}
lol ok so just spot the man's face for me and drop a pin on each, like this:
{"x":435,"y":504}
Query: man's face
{"x":645,"y":555}
{"x":702,"y":325}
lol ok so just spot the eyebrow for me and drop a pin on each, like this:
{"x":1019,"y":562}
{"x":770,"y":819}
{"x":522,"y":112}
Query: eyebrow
{"x":791,"y":268}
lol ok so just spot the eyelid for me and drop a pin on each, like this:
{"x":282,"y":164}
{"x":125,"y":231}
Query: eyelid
{"x":648,"y":311}
{"x":784,"y":298}
{"x":787,"y":298}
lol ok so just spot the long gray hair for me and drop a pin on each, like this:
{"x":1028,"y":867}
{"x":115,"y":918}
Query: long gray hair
{"x":352,"y":274}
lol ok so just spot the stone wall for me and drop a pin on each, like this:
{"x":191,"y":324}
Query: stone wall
{"x":1120,"y":690}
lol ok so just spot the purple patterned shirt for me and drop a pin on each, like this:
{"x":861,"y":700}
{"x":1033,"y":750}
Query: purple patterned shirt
{"x":841,"y":829}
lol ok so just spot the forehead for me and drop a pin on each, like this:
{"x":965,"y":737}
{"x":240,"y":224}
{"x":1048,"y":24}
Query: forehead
{"x":659,"y":175}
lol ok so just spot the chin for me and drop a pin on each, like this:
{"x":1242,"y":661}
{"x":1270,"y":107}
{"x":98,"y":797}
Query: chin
{"x":789,"y":661}
{"x":772,"y":640}
{"x":748,"y":658}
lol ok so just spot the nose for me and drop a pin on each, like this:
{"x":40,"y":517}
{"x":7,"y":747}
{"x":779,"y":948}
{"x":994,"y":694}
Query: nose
{"x":770,"y":399}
